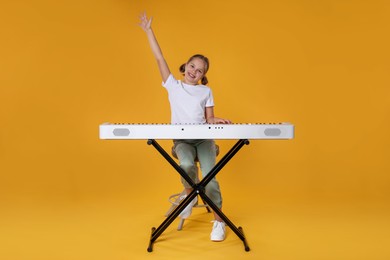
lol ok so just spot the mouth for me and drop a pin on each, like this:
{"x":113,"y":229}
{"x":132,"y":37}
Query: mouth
{"x":191,"y":75}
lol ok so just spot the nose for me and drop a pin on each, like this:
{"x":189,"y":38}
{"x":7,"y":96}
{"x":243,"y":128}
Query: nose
{"x":192,"y":71}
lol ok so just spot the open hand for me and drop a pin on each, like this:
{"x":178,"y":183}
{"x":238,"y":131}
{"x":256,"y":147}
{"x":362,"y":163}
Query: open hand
{"x":145,"y":23}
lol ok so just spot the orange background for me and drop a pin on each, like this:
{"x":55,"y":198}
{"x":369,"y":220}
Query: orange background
{"x":68,"y":66}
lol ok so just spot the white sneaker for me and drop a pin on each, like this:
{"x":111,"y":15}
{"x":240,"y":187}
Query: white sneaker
{"x":218,"y":232}
{"x":188,"y":210}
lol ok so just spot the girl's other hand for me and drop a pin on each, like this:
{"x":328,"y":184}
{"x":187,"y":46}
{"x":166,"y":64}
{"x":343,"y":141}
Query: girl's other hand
{"x":217,"y":120}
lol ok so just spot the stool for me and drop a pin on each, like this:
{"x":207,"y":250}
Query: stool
{"x":176,"y":198}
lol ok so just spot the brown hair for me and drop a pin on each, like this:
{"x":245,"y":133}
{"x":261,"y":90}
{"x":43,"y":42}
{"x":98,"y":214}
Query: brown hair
{"x":207,"y":65}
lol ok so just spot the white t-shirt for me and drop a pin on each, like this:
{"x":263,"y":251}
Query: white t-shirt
{"x":188,"y":102}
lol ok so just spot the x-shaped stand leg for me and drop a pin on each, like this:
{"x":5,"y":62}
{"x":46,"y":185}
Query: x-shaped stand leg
{"x":197,"y":189}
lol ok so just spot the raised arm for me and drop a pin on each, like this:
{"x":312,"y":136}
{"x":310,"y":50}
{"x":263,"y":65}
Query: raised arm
{"x":162,"y":64}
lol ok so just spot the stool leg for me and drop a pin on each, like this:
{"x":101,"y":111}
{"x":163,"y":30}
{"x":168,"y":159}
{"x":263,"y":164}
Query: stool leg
{"x":174,"y":205}
{"x":176,"y":202}
{"x":181,"y":223}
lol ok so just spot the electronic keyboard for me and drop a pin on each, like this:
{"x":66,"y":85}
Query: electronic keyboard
{"x":123,"y":131}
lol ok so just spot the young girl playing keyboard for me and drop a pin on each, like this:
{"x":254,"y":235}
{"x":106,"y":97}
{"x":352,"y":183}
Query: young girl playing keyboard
{"x":191,"y":102}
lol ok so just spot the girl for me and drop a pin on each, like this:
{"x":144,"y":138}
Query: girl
{"x":192,"y":103}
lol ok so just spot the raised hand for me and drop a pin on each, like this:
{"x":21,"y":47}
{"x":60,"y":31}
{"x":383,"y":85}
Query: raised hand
{"x":145,"y":23}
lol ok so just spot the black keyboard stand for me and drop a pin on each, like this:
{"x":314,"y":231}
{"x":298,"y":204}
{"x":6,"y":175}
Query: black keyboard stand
{"x":198,"y":189}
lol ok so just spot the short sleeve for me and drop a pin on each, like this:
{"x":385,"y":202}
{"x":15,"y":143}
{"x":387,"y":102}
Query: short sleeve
{"x":171,"y":81}
{"x":210,"y":100}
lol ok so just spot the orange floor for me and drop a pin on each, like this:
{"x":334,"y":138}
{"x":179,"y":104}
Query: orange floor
{"x":120,"y":229}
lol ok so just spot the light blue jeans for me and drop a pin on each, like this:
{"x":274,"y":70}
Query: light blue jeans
{"x":204,"y":150}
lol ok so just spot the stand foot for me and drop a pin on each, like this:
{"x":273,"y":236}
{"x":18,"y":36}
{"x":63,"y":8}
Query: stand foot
{"x":150,"y":247}
{"x":247,"y":249}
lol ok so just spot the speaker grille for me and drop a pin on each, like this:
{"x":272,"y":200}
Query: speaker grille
{"x":272,"y":132}
{"x":121,"y":132}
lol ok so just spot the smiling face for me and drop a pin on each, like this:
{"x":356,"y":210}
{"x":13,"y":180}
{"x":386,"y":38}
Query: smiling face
{"x":195,"y":69}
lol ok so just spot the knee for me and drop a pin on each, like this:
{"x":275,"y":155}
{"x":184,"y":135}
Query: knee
{"x":190,"y":168}
{"x":187,"y":165}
